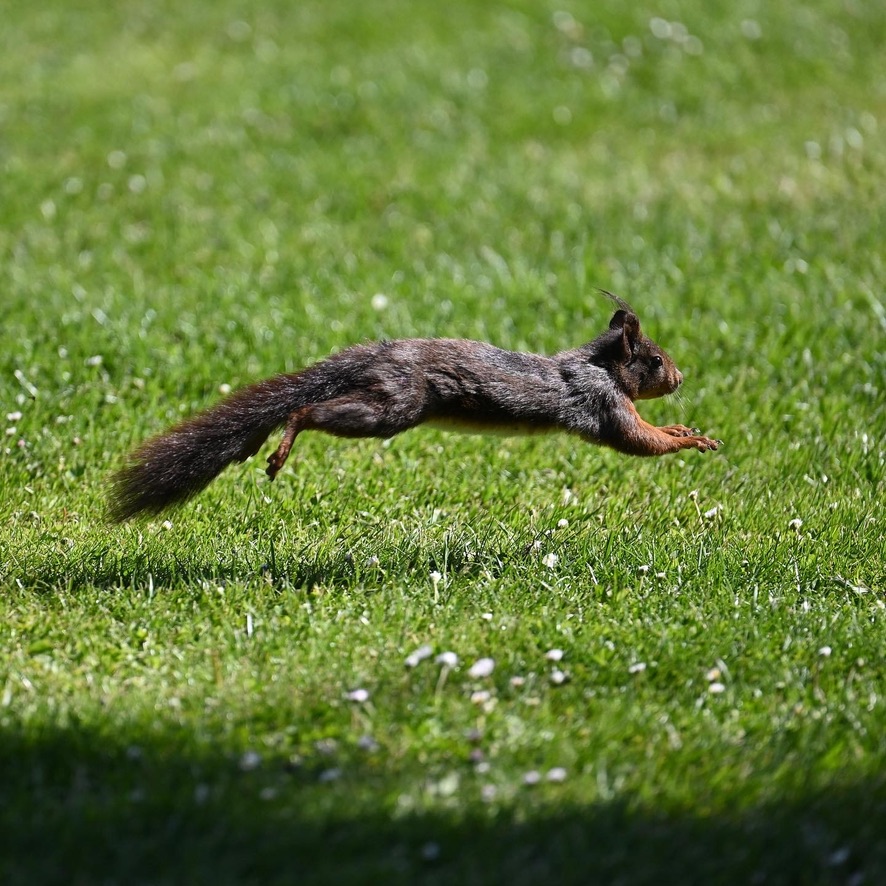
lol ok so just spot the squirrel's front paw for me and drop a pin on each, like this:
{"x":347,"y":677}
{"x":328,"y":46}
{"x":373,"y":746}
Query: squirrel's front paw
{"x":680,"y":431}
{"x":706,"y":444}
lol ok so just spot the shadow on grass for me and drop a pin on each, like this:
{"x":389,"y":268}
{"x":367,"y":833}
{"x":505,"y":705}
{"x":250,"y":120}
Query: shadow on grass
{"x":76,"y":807}
{"x":105,"y":568}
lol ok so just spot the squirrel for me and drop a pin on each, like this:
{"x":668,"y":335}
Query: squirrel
{"x":382,"y":388}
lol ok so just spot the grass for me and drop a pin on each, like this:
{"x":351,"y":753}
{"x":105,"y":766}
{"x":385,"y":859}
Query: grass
{"x":203,"y":195}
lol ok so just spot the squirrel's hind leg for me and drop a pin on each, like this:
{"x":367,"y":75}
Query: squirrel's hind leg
{"x":294,"y":425}
{"x":348,"y":417}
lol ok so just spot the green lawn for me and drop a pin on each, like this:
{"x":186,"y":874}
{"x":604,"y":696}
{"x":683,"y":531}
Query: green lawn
{"x":200,"y":195}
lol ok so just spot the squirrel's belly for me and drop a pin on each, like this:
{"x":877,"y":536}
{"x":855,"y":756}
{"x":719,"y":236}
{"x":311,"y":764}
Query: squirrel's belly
{"x":463,"y":425}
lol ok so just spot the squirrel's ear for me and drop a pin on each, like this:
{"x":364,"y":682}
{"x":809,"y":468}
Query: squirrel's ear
{"x":618,"y":320}
{"x":628,"y":321}
{"x":629,"y":324}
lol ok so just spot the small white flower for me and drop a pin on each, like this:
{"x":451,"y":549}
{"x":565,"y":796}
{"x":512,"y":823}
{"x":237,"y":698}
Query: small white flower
{"x":424,"y":651}
{"x":549,"y":560}
{"x":554,"y":655}
{"x":839,"y":856}
{"x":326,"y":746}
{"x":716,"y":688}
{"x":483,"y":667}
{"x":430,"y":851}
{"x":709,"y":515}
{"x":96,"y":360}
{"x":518,"y":681}
{"x":358,"y":695}
{"x":557,"y":774}
{"x":825,"y":651}
{"x":795,"y":524}
{"x":558,"y":677}
{"x":250,"y":760}
{"x":367,"y":743}
{"x":637,"y":667}
{"x":643,"y":569}
{"x":712,"y":675}
{"x":447,"y":659}
{"x":563,"y":523}
{"x":481,"y":696}
{"x":379,"y":301}
{"x":532,"y":777}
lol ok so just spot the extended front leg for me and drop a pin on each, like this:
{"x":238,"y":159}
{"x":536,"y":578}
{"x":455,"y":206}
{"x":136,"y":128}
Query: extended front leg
{"x":634,"y":436}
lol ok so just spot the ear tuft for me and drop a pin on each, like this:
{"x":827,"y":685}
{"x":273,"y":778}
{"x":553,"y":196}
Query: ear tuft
{"x":620,"y":302}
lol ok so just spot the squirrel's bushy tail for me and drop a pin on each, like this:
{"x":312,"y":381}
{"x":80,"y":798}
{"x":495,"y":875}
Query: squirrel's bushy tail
{"x":170,"y":468}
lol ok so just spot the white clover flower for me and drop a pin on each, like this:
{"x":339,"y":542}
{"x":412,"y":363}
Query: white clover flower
{"x":483,"y":667}
{"x":249,"y":761}
{"x":424,"y":651}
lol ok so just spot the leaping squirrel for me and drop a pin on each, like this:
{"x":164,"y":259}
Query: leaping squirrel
{"x":383,"y":388}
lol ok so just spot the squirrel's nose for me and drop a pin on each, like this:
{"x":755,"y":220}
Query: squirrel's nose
{"x":679,"y":378}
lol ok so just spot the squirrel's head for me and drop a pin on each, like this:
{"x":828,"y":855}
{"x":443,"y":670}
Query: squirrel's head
{"x":643,"y":368}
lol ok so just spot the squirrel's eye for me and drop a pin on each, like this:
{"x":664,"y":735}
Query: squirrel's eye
{"x":657,"y":362}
